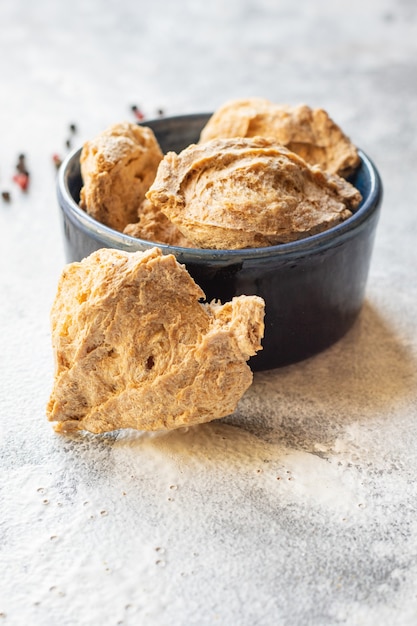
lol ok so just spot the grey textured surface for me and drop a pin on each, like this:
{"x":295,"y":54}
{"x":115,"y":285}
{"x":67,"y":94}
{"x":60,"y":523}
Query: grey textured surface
{"x":300,"y":509}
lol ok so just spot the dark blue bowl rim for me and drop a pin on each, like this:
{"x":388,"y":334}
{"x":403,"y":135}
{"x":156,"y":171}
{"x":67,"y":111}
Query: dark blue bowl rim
{"x":115,"y":239}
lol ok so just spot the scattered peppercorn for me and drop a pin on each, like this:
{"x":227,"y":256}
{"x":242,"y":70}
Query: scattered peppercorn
{"x":68,"y":143}
{"x":137,"y":112}
{"x":6,"y":196}
{"x":73,"y":128}
{"x":22,"y":179}
{"x":21,"y":165}
{"x":57,"y":160}
{"x":161,"y":112}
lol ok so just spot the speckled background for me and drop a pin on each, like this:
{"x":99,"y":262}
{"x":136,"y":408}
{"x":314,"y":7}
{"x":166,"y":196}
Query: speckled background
{"x":299,"y":509}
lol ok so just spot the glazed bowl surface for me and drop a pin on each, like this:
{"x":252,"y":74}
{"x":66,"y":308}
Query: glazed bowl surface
{"x":313,"y":288}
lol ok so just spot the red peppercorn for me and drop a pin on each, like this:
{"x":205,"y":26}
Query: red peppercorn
{"x":22,"y":179}
{"x":57,"y":160}
{"x":137,"y":112}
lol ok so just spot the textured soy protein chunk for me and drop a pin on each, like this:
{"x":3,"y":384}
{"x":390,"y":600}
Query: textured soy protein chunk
{"x":153,"y":225}
{"x":248,"y":192}
{"x":117,"y":168}
{"x":135,"y":348}
{"x":309,"y":132}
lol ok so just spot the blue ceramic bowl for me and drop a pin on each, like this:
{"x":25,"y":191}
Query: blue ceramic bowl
{"x":313,"y":288}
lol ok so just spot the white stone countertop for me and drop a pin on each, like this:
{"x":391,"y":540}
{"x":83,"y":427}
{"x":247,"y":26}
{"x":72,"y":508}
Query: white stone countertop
{"x":300,"y":508}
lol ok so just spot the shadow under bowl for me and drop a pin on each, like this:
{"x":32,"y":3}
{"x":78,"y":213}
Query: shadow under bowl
{"x":313,"y":288}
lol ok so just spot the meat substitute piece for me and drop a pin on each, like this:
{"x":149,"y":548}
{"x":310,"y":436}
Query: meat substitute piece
{"x":311,"y":133}
{"x":134,"y":347}
{"x":153,"y":225}
{"x":248,"y":192}
{"x":117,"y":168}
